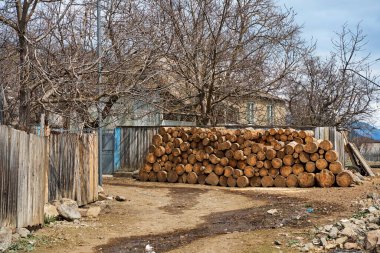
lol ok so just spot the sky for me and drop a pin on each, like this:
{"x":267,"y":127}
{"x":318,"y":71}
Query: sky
{"x":321,"y":19}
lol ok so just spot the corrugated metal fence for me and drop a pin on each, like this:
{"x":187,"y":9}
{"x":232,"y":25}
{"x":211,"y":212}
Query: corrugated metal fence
{"x":28,"y":179}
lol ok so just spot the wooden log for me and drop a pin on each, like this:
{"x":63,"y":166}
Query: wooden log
{"x":209,"y":168}
{"x":270,"y":154}
{"x":180,"y":169}
{"x":147,"y":167}
{"x":151,"y":158}
{"x":157,"y":140}
{"x":235,"y":146}
{"x":223,"y":161}
{"x":249,"y":171}
{"x":192,"y":178}
{"x":214,"y":159}
{"x":212,"y":179}
{"x":184,"y":146}
{"x":295,"y":156}
{"x":247,"y":151}
{"x":143,"y":176}
{"x":263,"y":172}
{"x":219,"y":169}
{"x":231,"y":182}
{"x":292,"y":180}
{"x":252,"y":159}
{"x":172,"y":177}
{"x":229,"y":154}
{"x":223,"y":181}
{"x":162,"y":176}
{"x":256,"y":147}
{"x":267,"y":164}
{"x":241,"y":164}
{"x":326,"y":145}
{"x":202,"y":179}
{"x":267,"y":181}
{"x":206,"y":141}
{"x":280,"y":154}
{"x":306,"y":179}
{"x":321,"y":164}
{"x":259,"y":164}
{"x":278,"y":145}
{"x":336,"y":167}
{"x":304,"y":157}
{"x":298,"y":148}
{"x":277,"y":163}
{"x":156,"y":167}
{"x":159,"y":151}
{"x":242,"y":181}
{"x":280,"y":181}
{"x":238,"y":173}
{"x":344,"y":179}
{"x":298,"y":140}
{"x":239,"y":155}
{"x":182,"y":179}
{"x":311,"y":147}
{"x":188,"y":167}
{"x":298,"y":169}
{"x":232,"y":163}
{"x":310,"y":167}
{"x":228,"y":171}
{"x":261,"y":156}
{"x":285,"y":171}
{"x":176,"y":152}
{"x":255,"y":181}
{"x":177,"y":142}
{"x":309,"y":139}
{"x":331,"y":156}
{"x":314,"y":157}
{"x":325,"y":178}
{"x":273,"y":172}
{"x":288,"y":160}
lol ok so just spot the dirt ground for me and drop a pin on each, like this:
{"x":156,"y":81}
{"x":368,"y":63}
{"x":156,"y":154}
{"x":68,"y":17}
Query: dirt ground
{"x":196,"y":218}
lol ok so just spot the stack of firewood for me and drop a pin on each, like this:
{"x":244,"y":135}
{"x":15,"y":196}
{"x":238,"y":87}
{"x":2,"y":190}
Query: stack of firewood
{"x":243,"y":157}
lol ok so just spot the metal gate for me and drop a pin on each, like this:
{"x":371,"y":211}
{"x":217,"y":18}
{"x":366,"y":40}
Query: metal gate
{"x":108,"y":151}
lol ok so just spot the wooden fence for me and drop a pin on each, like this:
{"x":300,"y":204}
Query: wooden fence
{"x":330,"y":133}
{"x":31,"y":175}
{"x":73,"y":167}
{"x":23,"y":170}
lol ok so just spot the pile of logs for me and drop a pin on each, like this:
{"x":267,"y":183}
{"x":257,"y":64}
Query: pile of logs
{"x":243,"y":157}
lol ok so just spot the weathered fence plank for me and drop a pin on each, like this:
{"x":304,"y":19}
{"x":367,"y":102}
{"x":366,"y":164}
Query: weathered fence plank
{"x":34,"y":170}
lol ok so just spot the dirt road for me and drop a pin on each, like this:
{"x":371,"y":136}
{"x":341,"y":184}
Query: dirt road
{"x":194,"y":218}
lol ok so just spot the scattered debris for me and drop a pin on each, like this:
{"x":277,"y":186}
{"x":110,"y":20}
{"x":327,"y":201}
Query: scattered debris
{"x":5,"y":238}
{"x":23,"y":232}
{"x":120,"y":198}
{"x":272,"y":211}
{"x":361,"y":232}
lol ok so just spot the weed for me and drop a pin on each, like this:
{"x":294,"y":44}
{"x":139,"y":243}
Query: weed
{"x":49,"y":219}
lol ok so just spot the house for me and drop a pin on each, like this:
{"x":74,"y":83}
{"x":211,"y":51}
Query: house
{"x":169,"y":108}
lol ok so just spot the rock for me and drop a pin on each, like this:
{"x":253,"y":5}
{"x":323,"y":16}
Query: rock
{"x":68,"y":209}
{"x":83,"y":212}
{"x":50,"y":211}
{"x":372,"y":238}
{"x":135,"y":174}
{"x":23,"y":232}
{"x":307,"y":247}
{"x":323,"y":242}
{"x":373,"y":195}
{"x":272,"y":211}
{"x":93,"y":211}
{"x":277,"y":242}
{"x":351,"y":245}
{"x":120,"y":198}
{"x":341,"y":240}
{"x":372,"y":209}
{"x":330,"y":246}
{"x":100,"y":189}
{"x":316,"y":241}
{"x":333,"y":232}
{"x":15,"y":237}
{"x":328,"y":227}
{"x":373,"y":226}
{"x":102,"y":196}
{"x":349,"y":232}
{"x":5,"y":238}
{"x":373,"y":219}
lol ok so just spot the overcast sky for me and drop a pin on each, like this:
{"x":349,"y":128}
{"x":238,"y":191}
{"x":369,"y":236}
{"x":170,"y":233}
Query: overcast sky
{"x":322,"y":18}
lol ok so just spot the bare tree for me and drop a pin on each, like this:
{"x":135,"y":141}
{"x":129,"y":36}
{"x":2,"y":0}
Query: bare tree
{"x":217,"y":51}
{"x":329,"y":92}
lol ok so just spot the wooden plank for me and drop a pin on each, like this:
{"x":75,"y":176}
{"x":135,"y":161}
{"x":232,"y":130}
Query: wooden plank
{"x":361,"y":159}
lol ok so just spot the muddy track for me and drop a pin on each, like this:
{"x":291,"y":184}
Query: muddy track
{"x":291,"y":213}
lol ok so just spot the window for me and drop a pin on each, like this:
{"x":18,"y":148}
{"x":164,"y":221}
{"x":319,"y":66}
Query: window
{"x":270,"y":114}
{"x":250,"y":112}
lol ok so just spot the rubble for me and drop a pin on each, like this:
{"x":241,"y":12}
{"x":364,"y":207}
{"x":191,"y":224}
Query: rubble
{"x":361,"y":232}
